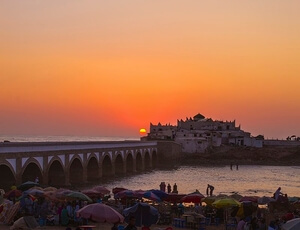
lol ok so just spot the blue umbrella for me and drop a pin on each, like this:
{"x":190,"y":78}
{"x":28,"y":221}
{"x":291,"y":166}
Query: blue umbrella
{"x":151,"y":196}
{"x":126,"y":194}
{"x":159,"y":193}
{"x":145,"y":214}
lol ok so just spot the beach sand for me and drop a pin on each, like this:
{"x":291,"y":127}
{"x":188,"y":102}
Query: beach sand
{"x":105,"y":226}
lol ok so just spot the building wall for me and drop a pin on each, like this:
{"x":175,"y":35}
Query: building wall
{"x":193,"y":145}
{"x":280,"y":143}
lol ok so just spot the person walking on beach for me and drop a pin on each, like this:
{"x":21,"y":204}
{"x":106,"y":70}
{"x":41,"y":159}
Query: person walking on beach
{"x":237,"y":167}
{"x":230,"y":166}
{"x":207,"y":190}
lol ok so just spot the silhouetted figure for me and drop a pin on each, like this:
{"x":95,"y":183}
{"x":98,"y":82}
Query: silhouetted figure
{"x":237,"y":167}
{"x":231,"y":166}
{"x":175,"y":188}
{"x":169,"y":188}
{"x":209,"y":190}
{"x":162,"y":186}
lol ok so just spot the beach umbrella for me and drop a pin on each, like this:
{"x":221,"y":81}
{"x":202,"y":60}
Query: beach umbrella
{"x":78,"y":196}
{"x":293,"y":224}
{"x":192,"y":198}
{"x":210,"y":199}
{"x":117,"y":190}
{"x":13,"y":194}
{"x":252,"y":199}
{"x":12,"y":212}
{"x":149,"y":195}
{"x":92,"y":193}
{"x":159,"y":193}
{"x":101,"y":190}
{"x":100,"y":213}
{"x":126,"y":194}
{"x":145,"y":214}
{"x":4,"y":208}
{"x":52,"y":189}
{"x":196,"y":192}
{"x":34,"y":192}
{"x":265,"y":200}
{"x":27,"y":185}
{"x":51,"y":195}
{"x":236,"y":196}
{"x":61,"y":193}
{"x":226,"y":202}
{"x":37,"y":188}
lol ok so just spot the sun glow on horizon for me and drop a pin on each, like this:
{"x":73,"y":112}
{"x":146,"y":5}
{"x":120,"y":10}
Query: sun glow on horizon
{"x":143,"y":131}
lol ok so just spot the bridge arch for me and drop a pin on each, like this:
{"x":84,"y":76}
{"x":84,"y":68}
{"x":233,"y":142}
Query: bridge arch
{"x":147,"y":160}
{"x":8,"y":177}
{"x":139,"y":161}
{"x":56,"y":173}
{"x":129,"y":163}
{"x":75,"y":170}
{"x":119,"y":164}
{"x":92,"y":169}
{"x":154,"y":159}
{"x":31,"y":170}
{"x":107,"y":166}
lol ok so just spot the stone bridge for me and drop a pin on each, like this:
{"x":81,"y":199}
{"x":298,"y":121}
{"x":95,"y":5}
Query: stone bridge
{"x":65,"y":163}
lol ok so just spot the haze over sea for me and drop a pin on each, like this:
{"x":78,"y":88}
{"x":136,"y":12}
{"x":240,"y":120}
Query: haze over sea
{"x":248,"y":180}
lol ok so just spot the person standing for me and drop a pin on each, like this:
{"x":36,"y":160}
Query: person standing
{"x":163,"y":186}
{"x":207,"y":190}
{"x":175,"y":188}
{"x":169,"y":188}
{"x":211,"y":190}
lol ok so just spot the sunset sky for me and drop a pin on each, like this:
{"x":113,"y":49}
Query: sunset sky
{"x":109,"y":68}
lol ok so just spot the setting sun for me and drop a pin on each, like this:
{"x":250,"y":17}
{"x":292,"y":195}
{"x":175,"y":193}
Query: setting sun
{"x":143,"y":131}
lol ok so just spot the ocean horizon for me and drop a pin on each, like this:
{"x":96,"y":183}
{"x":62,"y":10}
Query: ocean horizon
{"x":62,"y":138}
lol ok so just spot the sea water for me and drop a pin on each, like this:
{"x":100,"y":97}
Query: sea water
{"x":247,"y":180}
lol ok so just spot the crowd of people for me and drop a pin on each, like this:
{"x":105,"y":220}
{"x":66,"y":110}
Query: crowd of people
{"x":51,"y":212}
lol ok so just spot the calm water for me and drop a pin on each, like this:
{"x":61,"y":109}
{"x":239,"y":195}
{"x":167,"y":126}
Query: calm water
{"x":26,"y":138}
{"x":248,"y":180}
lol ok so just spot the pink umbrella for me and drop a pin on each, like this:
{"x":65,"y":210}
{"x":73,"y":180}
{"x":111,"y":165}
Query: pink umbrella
{"x":101,"y":190}
{"x":92,"y":193}
{"x":100,"y":213}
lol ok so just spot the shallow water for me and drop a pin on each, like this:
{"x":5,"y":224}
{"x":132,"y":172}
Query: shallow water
{"x":248,"y":180}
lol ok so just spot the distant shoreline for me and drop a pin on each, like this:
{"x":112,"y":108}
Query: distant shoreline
{"x":226,"y":155}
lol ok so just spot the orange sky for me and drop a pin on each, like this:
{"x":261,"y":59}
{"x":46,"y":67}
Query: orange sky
{"x":109,"y":68}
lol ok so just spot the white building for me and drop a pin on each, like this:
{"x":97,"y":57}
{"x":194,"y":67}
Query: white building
{"x":198,"y":133}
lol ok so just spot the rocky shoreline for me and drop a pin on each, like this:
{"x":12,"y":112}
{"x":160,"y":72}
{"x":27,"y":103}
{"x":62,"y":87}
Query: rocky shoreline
{"x":226,"y":155}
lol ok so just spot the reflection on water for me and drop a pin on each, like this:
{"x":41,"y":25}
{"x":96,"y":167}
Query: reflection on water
{"x":248,"y":180}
